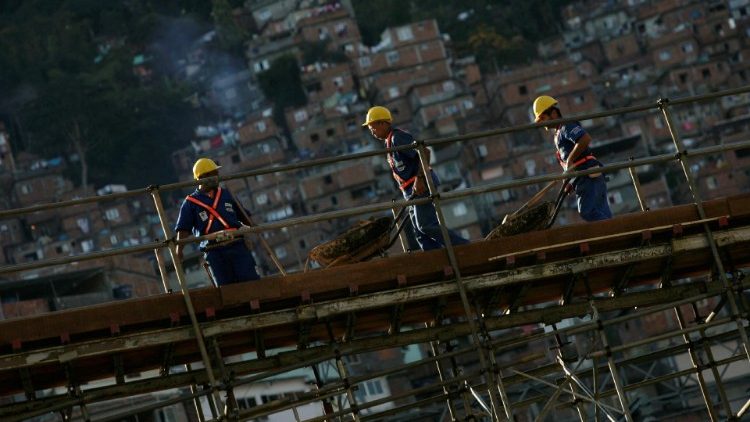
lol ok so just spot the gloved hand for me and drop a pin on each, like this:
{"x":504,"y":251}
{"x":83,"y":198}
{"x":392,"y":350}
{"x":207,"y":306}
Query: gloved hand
{"x":420,"y":186}
{"x":224,"y":235}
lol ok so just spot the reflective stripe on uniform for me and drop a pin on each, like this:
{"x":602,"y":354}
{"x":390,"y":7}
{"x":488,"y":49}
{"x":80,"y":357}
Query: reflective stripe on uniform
{"x":211,"y":210}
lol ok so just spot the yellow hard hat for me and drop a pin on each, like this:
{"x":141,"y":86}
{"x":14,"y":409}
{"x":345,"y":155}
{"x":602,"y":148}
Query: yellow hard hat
{"x":542,"y":104}
{"x":377,"y":114}
{"x":203,"y":166}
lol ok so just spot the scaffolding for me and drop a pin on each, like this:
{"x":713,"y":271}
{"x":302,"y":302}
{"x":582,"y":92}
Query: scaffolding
{"x":570,"y":287}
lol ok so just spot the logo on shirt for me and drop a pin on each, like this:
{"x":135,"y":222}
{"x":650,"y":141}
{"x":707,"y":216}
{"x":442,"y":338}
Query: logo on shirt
{"x":576,"y":131}
{"x":203,"y":215}
{"x":228,"y":207}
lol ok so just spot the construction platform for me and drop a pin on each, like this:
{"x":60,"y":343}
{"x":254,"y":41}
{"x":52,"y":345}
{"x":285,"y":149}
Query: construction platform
{"x":631,"y":258}
{"x":465,"y":306}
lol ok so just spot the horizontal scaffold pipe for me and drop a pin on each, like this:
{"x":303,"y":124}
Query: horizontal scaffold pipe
{"x":367,"y":209}
{"x":322,"y":310}
{"x":286,"y":360}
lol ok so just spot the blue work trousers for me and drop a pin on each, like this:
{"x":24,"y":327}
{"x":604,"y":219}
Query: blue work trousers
{"x":591,"y":193}
{"x":231,"y":264}
{"x":427,"y":229}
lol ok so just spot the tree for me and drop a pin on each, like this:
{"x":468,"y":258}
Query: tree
{"x":282,"y":83}
{"x":231,"y":36}
{"x":86,"y":103}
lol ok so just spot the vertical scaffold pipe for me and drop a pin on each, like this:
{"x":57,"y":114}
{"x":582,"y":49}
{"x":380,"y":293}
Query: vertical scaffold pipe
{"x":711,"y":361}
{"x":637,"y":187}
{"x":493,"y":382}
{"x":186,"y":295}
{"x":682,"y":156}
{"x":695,"y":361}
{"x":611,"y":364}
{"x":435,"y":348}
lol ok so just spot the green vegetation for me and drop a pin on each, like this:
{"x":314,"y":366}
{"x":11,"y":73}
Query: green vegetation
{"x":68,"y":76}
{"x":282,"y":83}
{"x":497,"y":33}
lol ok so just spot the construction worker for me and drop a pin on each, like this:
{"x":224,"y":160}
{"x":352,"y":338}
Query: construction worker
{"x":407,"y":171}
{"x":573,"y":154}
{"x":211,"y":209}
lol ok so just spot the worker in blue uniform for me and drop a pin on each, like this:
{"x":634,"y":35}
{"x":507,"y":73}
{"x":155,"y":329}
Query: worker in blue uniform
{"x":407,"y":171}
{"x":573,"y":153}
{"x":210,"y":209}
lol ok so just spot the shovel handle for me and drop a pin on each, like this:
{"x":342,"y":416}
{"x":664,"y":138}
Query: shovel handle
{"x":534,"y":199}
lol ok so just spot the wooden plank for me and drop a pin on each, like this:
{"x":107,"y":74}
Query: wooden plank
{"x":375,"y":275}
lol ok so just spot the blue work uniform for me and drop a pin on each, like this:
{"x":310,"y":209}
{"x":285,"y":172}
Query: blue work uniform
{"x":229,"y":262}
{"x":405,"y":166}
{"x":591,"y":192}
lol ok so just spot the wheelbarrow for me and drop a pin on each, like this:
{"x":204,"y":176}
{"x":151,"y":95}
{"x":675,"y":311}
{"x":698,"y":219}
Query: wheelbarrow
{"x":532,"y":216}
{"x":364,"y":241}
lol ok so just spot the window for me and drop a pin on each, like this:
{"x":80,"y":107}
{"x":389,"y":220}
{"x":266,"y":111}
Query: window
{"x":302,"y":244}
{"x":578,"y":99}
{"x":26,"y":189}
{"x":330,"y":132}
{"x":404,"y":33}
{"x":83,"y":224}
{"x":352,"y":359}
{"x":449,"y":86}
{"x":665,"y":55}
{"x":459,"y":210}
{"x":113,"y":239}
{"x":658,"y":123}
{"x":522,"y":90}
{"x":683,"y":78}
{"x":706,"y":73}
{"x":314,"y":138}
{"x":334,"y":200}
{"x":468,"y":104}
{"x":687,"y":47}
{"x":365,"y":62}
{"x":261,"y":66}
{"x":338,"y":81}
{"x":374,"y":387}
{"x":615,"y":198}
{"x":711,"y":183}
{"x":327,"y":179}
{"x":87,"y":245}
{"x":268,"y":398}
{"x":235,"y":158}
{"x":530,"y":165}
{"x":260,"y":126}
{"x":393,"y":92}
{"x":341,"y":29}
{"x":261,"y":199}
{"x":281,"y":253}
{"x":300,"y":116}
{"x":166,"y":414}
{"x":112,"y":214}
{"x":450,"y":109}
{"x":482,"y":150}
{"x":246,"y":402}
{"x":392,"y":57}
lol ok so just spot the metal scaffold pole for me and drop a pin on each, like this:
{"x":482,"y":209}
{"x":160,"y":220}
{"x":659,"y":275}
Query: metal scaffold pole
{"x":683,"y":158}
{"x":215,"y":396}
{"x":494,"y":383}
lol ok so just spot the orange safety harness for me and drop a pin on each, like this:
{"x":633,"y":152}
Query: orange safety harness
{"x":576,"y":163}
{"x":403,"y":184}
{"x":211,"y":210}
